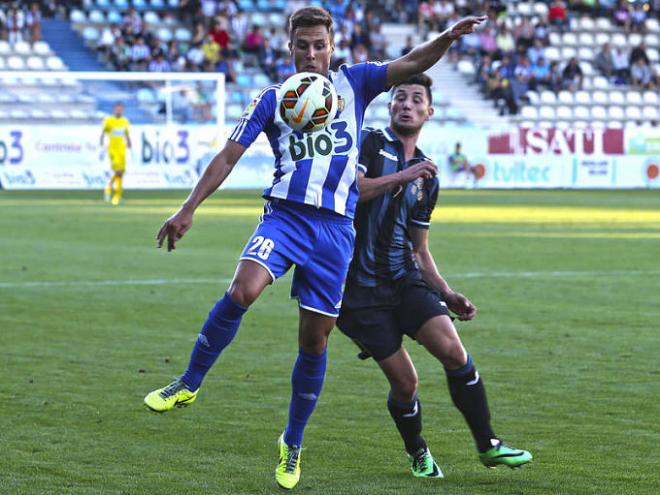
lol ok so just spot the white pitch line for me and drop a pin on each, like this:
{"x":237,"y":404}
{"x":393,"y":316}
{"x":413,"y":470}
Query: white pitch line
{"x":194,"y":281}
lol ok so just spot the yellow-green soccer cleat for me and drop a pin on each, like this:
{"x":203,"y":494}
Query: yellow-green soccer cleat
{"x":287,"y":472}
{"x":175,"y":394}
{"x":502,"y":455}
{"x":422,"y":465}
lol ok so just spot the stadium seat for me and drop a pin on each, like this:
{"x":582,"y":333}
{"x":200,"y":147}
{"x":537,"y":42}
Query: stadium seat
{"x":650,"y":97}
{"x":15,"y":63}
{"x":650,"y":113}
{"x":569,"y":39}
{"x":234,"y":112}
{"x":600,"y":97}
{"x":587,"y":68}
{"x":259,"y":19}
{"x":150,"y":17}
{"x":45,"y":97}
{"x":597,"y":124}
{"x":616,"y":112}
{"x":618,"y":40}
{"x":466,"y":67}
{"x":157,"y":4}
{"x":652,"y":40}
{"x":554,"y":38}
{"x":552,"y":53}
{"x":3,"y":65}
{"x":540,"y":9}
{"x":587,"y":24}
{"x":533,"y":97}
{"x":381,"y":112}
{"x":78,"y":114}
{"x":91,"y":35}
{"x":524,"y":9}
{"x":586,"y":40}
{"x":548,"y":97}
{"x":564,"y":112}
{"x":276,"y":19}
{"x":598,"y":112}
{"x":602,"y":38}
{"x":617,"y":98}
{"x":77,"y":16}
{"x":244,"y":80}
{"x":546,"y":124}
{"x":39,"y":114}
{"x":634,"y":39}
{"x":603,"y":24}
{"x":568,"y":52}
{"x":581,"y":112}
{"x":121,"y":4}
{"x":634,"y":98}
{"x":546,"y":112}
{"x":261,"y":80}
{"x":183,"y":35}
{"x":55,"y":63}
{"x":140,"y":5}
{"x":114,"y":17}
{"x":59,"y":114}
{"x":633,"y":113}
{"x":22,"y":48}
{"x":653,"y":55}
{"x":103,"y":4}
{"x":164,"y":34}
{"x":580,"y":124}
{"x":41,"y":48}
{"x":97,"y":17}
{"x":584,"y":54}
{"x":35,"y":63}
{"x":652,"y":25}
{"x":562,"y":124}
{"x":582,"y":97}
{"x":565,"y":97}
{"x":600,"y":82}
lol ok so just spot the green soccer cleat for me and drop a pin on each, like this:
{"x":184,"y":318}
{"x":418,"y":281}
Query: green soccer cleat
{"x":422,"y":465}
{"x":287,"y":472}
{"x":175,"y":394}
{"x":501,"y":455}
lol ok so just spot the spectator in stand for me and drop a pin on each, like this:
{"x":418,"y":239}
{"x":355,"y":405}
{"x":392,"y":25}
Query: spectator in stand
{"x":254,"y":40}
{"x":603,"y":60}
{"x":140,"y":54}
{"x":536,"y":51}
{"x":337,"y":8}
{"x":621,"y":15}
{"x":342,"y":55}
{"x":555,"y":76}
{"x":285,"y":68}
{"x":227,"y":8}
{"x":499,"y":88}
{"x":523,"y":73}
{"x":156,"y":49}
{"x":425,"y":17}
{"x":195,"y":58}
{"x":407,"y":48}
{"x":239,"y":27}
{"x":620,"y":66}
{"x":470,"y":44}
{"x":639,"y":52}
{"x":541,"y":75}
{"x":268,"y":60}
{"x":211,"y":51}
{"x":121,"y":55}
{"x":227,"y":65}
{"x":541,"y":32}
{"x":159,"y":64}
{"x":278,"y":40}
{"x":359,"y":37}
{"x":505,"y":42}
{"x":638,"y":19}
{"x":198,"y":34}
{"x":15,"y":25}
{"x":524,"y":33}
{"x":443,"y":11}
{"x":107,"y":40}
{"x":572,"y":76}
{"x":174,"y":57}
{"x":483,"y":73}
{"x":209,"y":9}
{"x":33,"y":22}
{"x":488,"y":41}
{"x":133,"y":19}
{"x":378,"y":43}
{"x":360,"y":54}
{"x":558,"y":15}
{"x":220,"y":34}
{"x":641,"y":75}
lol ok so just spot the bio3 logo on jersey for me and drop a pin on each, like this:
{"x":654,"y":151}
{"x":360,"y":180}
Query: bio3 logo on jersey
{"x":261,"y":247}
{"x":334,"y":139}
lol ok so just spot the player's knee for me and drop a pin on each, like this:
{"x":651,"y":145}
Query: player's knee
{"x":455,"y":356}
{"x":313,"y":342}
{"x":404,"y":386}
{"x":243,"y":294}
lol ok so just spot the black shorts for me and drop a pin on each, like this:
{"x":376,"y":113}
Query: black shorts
{"x":376,"y":318}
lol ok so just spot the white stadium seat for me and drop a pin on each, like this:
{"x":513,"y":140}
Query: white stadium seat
{"x":22,"y":48}
{"x":581,"y":112}
{"x":650,"y":97}
{"x":35,"y":63}
{"x":603,"y":24}
{"x":602,"y":38}
{"x":650,"y":113}
{"x":548,"y":97}
{"x":634,"y":98}
{"x":587,"y":68}
{"x":183,"y":34}
{"x":652,"y":40}
{"x":619,"y":39}
{"x":552,"y":53}
{"x":547,"y":112}
{"x":634,"y":39}
{"x":164,"y":34}
{"x":546,"y":124}
{"x":586,"y":40}
{"x":563,"y":125}
{"x":652,"y":25}
{"x":599,"y":97}
{"x":2,"y":63}
{"x":524,"y":9}
{"x":598,"y":112}
{"x":569,"y":39}
{"x":597,"y":124}
{"x":533,"y":97}
{"x":600,"y":82}
{"x":39,"y":114}
{"x":91,"y":34}
{"x":97,"y":17}
{"x":568,"y":52}
{"x":582,"y":97}
{"x":554,"y":38}
{"x":15,"y":63}
{"x":55,"y":63}
{"x":564,"y":112}
{"x":587,"y":24}
{"x":77,"y":16}
{"x":580,"y":124}
{"x":540,"y":9}
{"x":565,"y":97}
{"x":615,"y":124}
{"x":466,"y":67}
{"x":41,"y":48}
{"x":633,"y":113}
{"x":151,"y":17}
{"x":616,"y":113}
{"x":617,"y":98}
{"x":653,"y":55}
{"x":585,"y":53}
{"x":528,"y":112}
{"x":59,"y":114}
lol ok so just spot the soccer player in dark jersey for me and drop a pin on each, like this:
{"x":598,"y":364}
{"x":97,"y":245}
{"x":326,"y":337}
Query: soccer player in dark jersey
{"x":394,"y":287}
{"x":307,"y":221}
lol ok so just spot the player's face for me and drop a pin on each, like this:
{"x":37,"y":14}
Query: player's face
{"x":119,"y":110}
{"x":311,"y":49}
{"x":409,"y":108}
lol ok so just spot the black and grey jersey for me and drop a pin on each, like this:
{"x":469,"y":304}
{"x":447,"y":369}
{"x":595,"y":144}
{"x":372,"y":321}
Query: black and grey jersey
{"x":383,"y":248}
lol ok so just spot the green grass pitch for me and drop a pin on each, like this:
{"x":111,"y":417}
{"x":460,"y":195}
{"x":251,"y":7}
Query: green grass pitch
{"x":93,"y":316}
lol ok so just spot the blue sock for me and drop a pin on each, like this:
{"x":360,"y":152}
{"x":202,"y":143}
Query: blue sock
{"x":306,"y":383}
{"x":218,"y":331}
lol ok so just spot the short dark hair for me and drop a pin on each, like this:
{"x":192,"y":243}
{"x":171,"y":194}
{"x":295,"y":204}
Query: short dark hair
{"x":310,"y":17}
{"x":421,"y":79}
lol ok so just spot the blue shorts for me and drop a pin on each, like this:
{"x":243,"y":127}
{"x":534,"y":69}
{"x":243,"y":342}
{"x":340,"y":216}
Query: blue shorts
{"x":318,"y":242}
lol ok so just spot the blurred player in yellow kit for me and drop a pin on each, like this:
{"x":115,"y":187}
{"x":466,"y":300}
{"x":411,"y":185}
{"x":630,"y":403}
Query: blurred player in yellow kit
{"x":116,"y":126}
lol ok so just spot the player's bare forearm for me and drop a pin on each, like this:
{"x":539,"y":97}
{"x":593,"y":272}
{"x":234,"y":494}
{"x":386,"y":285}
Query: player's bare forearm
{"x":372,"y":188}
{"x":430,"y":272}
{"x":424,"y":56}
{"x":215,"y":174}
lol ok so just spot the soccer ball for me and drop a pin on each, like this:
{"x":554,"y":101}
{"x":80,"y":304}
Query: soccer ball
{"x":307,"y":102}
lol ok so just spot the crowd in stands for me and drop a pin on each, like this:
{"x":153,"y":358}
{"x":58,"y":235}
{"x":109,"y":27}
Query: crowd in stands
{"x":21,"y":22}
{"x":511,"y":61}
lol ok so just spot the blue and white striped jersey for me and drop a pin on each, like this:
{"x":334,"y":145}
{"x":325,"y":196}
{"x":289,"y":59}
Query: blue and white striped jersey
{"x":320,"y":168}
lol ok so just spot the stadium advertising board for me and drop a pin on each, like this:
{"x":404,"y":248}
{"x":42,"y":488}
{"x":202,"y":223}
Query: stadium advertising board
{"x":166,"y":157}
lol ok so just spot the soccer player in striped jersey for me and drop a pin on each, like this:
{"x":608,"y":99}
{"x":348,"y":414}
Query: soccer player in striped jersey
{"x":394,"y":287}
{"x":307,"y":221}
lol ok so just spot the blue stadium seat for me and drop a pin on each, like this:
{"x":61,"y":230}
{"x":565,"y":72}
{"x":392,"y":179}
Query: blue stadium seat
{"x":244,"y":80}
{"x":114,"y":17}
{"x":140,"y":5}
{"x":97,"y":17}
{"x":103,"y":4}
{"x":121,"y":4}
{"x":158,"y":4}
{"x":246,"y":5}
{"x":262,"y":80}
{"x":183,"y":35}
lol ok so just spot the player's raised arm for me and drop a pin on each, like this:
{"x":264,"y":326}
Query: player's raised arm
{"x":215,"y":174}
{"x":371,"y":188}
{"x":424,"y":56}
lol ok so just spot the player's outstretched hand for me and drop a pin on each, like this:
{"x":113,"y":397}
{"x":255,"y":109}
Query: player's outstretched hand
{"x":426,"y":169}
{"x":174,"y":228}
{"x":467,"y":25}
{"x":461,"y":306}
